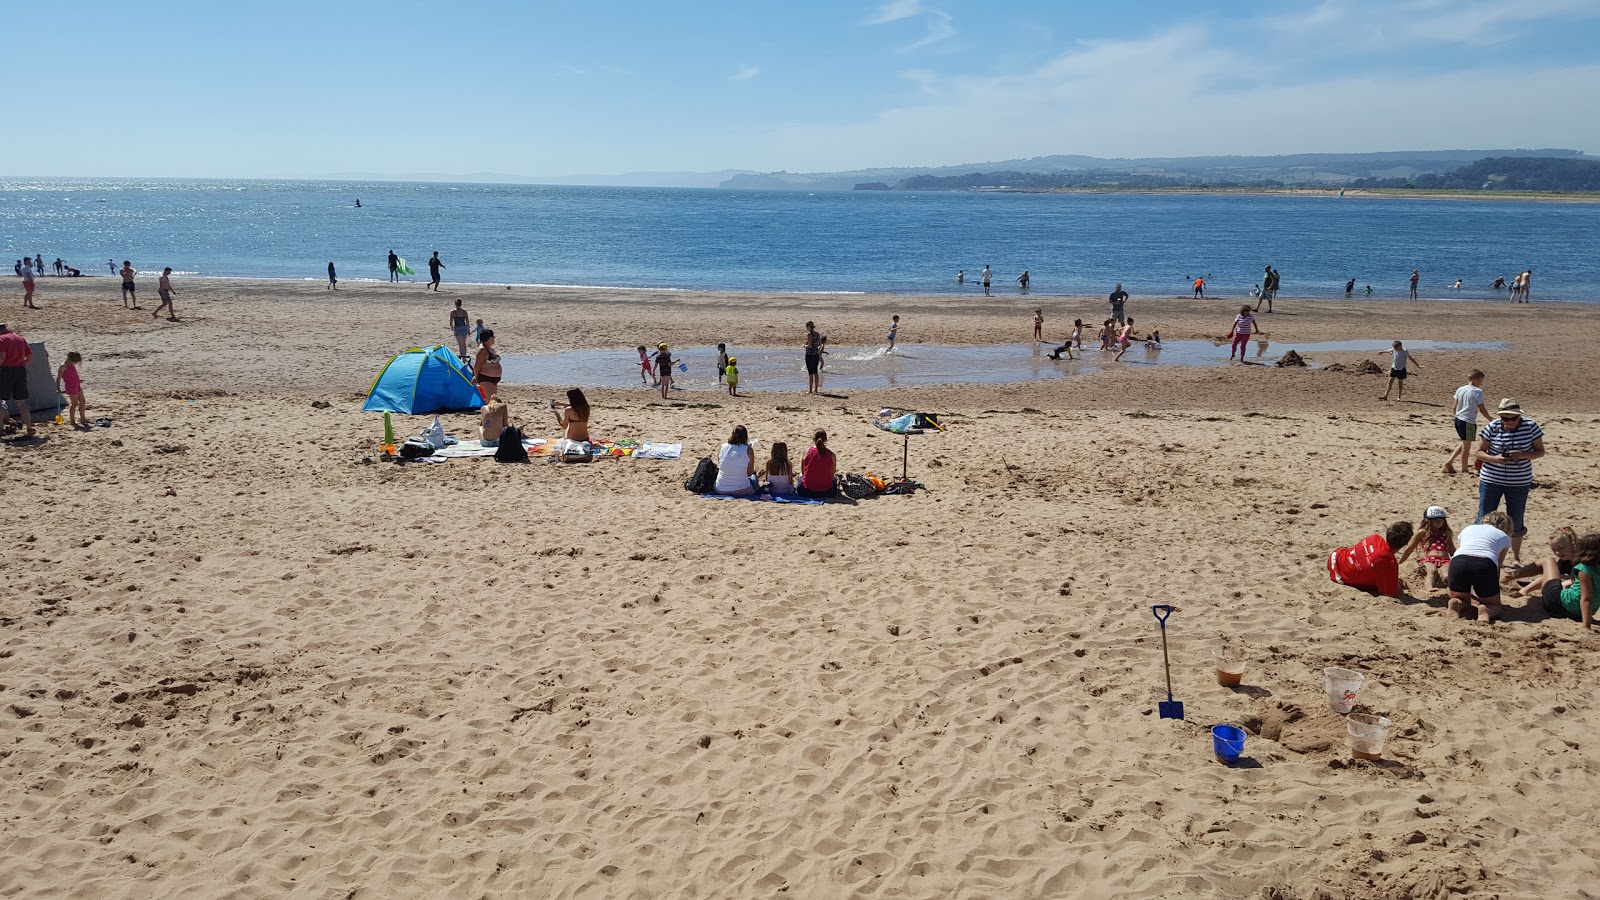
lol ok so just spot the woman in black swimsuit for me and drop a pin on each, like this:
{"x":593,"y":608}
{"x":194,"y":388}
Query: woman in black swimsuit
{"x":486,"y":369}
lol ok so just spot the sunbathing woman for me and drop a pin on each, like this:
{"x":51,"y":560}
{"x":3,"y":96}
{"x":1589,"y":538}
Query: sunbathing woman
{"x":496,"y":416}
{"x":573,"y":416}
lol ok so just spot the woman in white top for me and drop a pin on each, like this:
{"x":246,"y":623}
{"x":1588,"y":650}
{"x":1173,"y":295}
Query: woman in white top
{"x":736,"y":465}
{"x":779,"y":473}
{"x":1475,"y":567}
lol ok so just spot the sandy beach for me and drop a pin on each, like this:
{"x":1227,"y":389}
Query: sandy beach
{"x":310,"y":673}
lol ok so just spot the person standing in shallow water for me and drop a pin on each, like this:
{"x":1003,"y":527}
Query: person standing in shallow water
{"x":394,"y":266}
{"x":988,"y":277}
{"x":1414,"y":277}
{"x":813,"y":359}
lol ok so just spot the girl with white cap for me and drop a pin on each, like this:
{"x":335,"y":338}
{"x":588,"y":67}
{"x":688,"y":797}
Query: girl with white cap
{"x":1436,"y":543}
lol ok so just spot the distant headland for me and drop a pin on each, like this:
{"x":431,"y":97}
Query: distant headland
{"x":1521,"y":173}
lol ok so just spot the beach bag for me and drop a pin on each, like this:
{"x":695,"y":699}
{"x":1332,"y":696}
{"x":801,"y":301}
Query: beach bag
{"x":433,"y":435}
{"x":415,"y":449}
{"x":704,"y":477}
{"x":856,"y":487}
{"x":511,"y":449}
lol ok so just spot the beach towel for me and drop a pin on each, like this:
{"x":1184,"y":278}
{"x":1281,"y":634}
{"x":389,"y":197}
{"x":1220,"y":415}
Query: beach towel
{"x":476,"y":448}
{"x":766,"y":498}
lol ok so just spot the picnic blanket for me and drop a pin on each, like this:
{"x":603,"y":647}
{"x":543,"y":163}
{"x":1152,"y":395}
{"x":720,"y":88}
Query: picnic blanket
{"x":599,"y":449}
{"x":765,"y":498}
{"x":476,"y":448}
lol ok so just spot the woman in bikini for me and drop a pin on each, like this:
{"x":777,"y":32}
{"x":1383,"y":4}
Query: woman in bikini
{"x":486,"y":368}
{"x":573,"y":416}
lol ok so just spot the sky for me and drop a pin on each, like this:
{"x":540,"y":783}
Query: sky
{"x":586,"y":87}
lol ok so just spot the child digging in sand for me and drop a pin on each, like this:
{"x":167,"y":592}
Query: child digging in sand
{"x":1437,"y":544}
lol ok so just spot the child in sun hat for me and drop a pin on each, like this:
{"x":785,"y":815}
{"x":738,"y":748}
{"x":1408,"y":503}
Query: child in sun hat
{"x":1436,"y":543}
{"x":732,"y":373}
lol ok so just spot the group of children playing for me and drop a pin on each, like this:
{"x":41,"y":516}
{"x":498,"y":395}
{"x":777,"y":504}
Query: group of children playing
{"x":657,"y":371}
{"x":1114,"y":335}
{"x":1564,"y":581}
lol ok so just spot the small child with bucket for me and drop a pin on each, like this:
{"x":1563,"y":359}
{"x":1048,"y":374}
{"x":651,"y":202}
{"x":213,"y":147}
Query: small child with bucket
{"x":1437,"y":543}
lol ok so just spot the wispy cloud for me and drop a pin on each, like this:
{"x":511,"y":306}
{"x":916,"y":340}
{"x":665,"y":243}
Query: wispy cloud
{"x":1382,"y":24}
{"x":941,"y":25}
{"x":894,"y":11}
{"x":1155,"y":96}
{"x":745,"y":73}
{"x":940,"y":28}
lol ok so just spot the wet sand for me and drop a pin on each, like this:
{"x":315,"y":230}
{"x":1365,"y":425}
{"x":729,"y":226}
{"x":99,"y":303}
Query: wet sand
{"x":311,"y":674}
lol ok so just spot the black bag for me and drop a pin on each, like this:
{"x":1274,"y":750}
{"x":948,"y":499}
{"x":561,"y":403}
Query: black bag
{"x":510,"y":448}
{"x":415,"y":450}
{"x":856,"y":487}
{"x":704,"y":478}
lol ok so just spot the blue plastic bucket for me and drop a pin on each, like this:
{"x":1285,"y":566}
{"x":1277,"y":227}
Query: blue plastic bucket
{"x":1227,"y":741}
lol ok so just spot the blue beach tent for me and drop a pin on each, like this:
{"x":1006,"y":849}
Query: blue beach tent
{"x":419,"y":381}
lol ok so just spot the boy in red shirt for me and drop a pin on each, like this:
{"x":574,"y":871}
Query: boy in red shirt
{"x":1370,"y":565}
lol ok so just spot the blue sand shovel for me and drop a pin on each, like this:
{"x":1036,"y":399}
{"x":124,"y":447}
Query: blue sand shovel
{"x":1169,"y":708}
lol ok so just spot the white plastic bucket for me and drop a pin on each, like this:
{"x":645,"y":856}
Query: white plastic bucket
{"x":1342,"y":685}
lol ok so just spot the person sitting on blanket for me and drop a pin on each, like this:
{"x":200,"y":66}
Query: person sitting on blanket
{"x":496,"y":416}
{"x":736,"y":465}
{"x":779,"y":473}
{"x":817,"y":469}
{"x":573,"y":416}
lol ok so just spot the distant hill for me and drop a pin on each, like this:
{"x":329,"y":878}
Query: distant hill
{"x":1504,"y":174}
{"x":1304,"y":169}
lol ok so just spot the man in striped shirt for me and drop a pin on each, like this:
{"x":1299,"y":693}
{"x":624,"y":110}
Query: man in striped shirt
{"x":1507,"y":448}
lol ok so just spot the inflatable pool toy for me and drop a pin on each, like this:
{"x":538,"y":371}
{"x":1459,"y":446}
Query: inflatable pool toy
{"x":402,"y":268}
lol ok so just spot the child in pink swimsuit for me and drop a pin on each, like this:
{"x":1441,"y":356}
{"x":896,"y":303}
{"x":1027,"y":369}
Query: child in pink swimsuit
{"x":68,"y":382}
{"x":1436,"y":543}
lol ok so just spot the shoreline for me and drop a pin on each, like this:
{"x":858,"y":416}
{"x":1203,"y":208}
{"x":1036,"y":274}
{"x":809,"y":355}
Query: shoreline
{"x":975,"y":295}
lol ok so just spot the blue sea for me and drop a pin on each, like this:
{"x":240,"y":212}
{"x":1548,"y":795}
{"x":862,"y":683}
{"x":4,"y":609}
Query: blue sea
{"x":828,"y":241}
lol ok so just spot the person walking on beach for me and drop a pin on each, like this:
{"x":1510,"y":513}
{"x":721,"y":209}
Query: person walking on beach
{"x":1244,"y":325}
{"x":1118,"y":298}
{"x":1469,"y":403}
{"x":1269,"y":288}
{"x":894,"y":330}
{"x":460,"y":328}
{"x":112,"y":266}
{"x":434,"y":265}
{"x":127,"y":285}
{"x":1200,"y":288}
{"x":988,"y":276}
{"x":1397,"y":370}
{"x":27,"y":284}
{"x":333,"y":277}
{"x":813,"y":359}
{"x":1023,"y":280}
{"x":14,"y":356}
{"x":164,"y":288}
{"x":394,"y":266}
{"x":1414,"y":276}
{"x":1038,"y":325}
